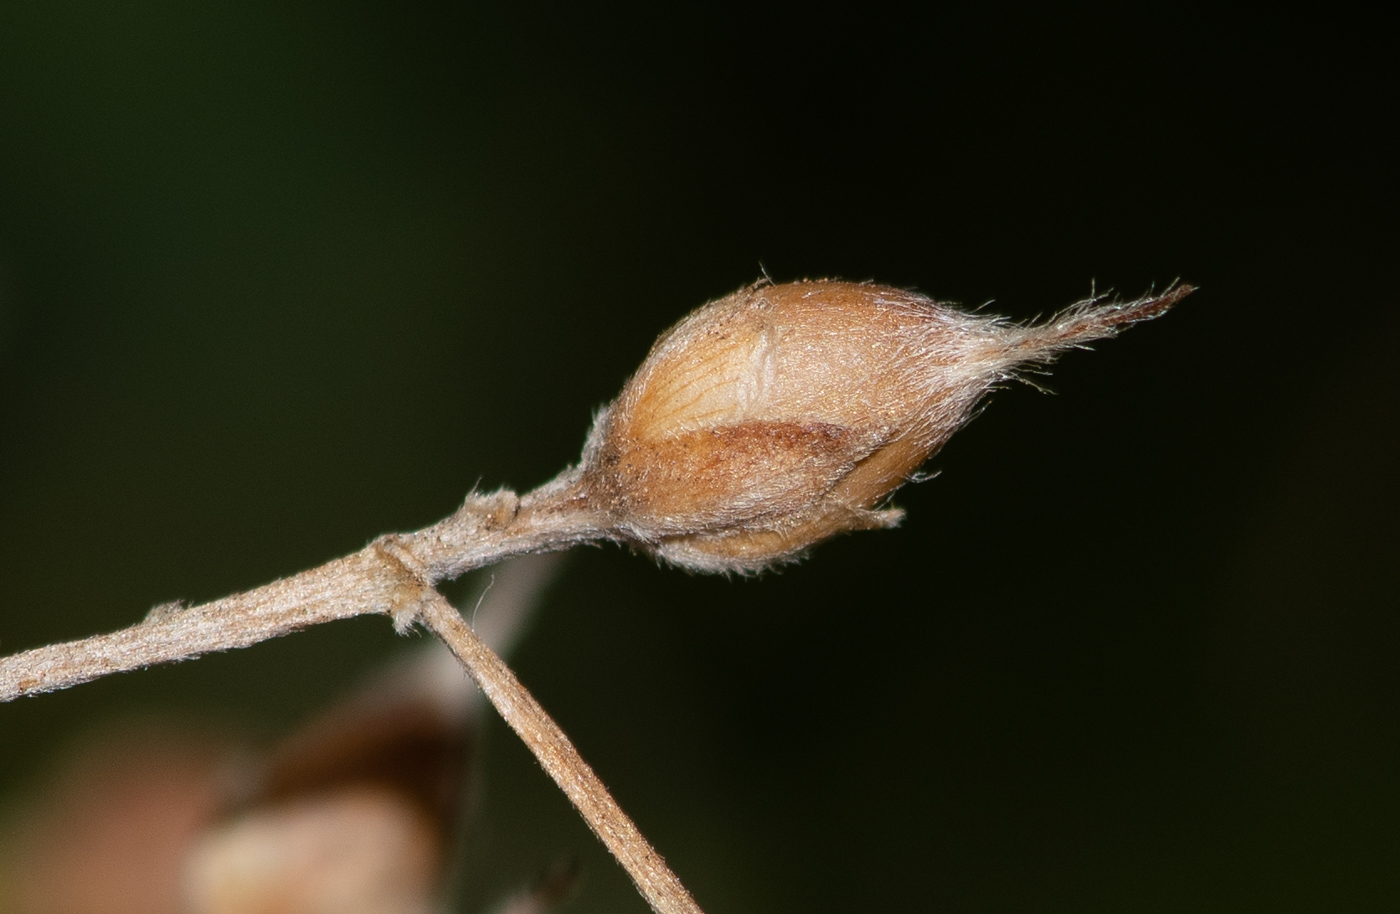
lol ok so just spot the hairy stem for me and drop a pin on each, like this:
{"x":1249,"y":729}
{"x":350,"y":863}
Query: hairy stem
{"x":486,"y":529}
{"x":654,"y":880}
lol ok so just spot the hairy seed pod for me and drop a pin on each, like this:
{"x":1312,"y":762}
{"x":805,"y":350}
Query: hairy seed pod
{"x":780,"y":415}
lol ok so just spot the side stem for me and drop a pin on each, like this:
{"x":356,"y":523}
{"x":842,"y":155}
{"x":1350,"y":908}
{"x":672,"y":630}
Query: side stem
{"x":654,"y":880}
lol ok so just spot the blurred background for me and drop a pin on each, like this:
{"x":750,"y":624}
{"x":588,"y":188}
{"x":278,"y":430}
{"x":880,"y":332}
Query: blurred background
{"x":277,"y":278}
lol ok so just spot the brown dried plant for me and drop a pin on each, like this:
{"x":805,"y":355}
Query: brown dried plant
{"x":760,"y":425}
{"x":362,"y":810}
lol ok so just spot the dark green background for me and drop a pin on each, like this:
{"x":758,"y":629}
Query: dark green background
{"x":276,"y":278}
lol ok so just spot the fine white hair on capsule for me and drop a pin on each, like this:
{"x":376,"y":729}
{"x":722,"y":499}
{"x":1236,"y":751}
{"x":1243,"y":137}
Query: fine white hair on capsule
{"x":780,"y":415}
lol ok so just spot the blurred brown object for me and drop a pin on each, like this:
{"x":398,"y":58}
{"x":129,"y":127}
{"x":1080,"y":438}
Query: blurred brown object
{"x":550,"y":890}
{"x":359,"y":811}
{"x":356,"y":813}
{"x":354,"y":850}
{"x":107,"y":830}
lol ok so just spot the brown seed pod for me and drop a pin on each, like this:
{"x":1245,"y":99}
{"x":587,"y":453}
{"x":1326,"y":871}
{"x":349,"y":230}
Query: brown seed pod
{"x":780,"y":415}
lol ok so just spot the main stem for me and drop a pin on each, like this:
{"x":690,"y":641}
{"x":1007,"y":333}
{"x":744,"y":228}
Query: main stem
{"x":486,"y":529}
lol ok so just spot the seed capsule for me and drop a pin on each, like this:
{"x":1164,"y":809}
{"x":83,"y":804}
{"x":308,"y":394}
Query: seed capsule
{"x":780,"y":415}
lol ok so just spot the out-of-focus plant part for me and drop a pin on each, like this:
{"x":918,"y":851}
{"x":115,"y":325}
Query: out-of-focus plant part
{"x":359,"y":811}
{"x":757,"y":427}
{"x":106,"y":829}
{"x":354,"y":814}
{"x":554,"y":887}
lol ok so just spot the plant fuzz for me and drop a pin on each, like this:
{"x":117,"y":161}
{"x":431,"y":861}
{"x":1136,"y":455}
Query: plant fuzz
{"x":781,"y":415}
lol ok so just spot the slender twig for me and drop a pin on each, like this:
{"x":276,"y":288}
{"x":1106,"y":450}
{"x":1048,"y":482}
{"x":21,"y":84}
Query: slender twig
{"x":654,"y":880}
{"x":486,"y":529}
